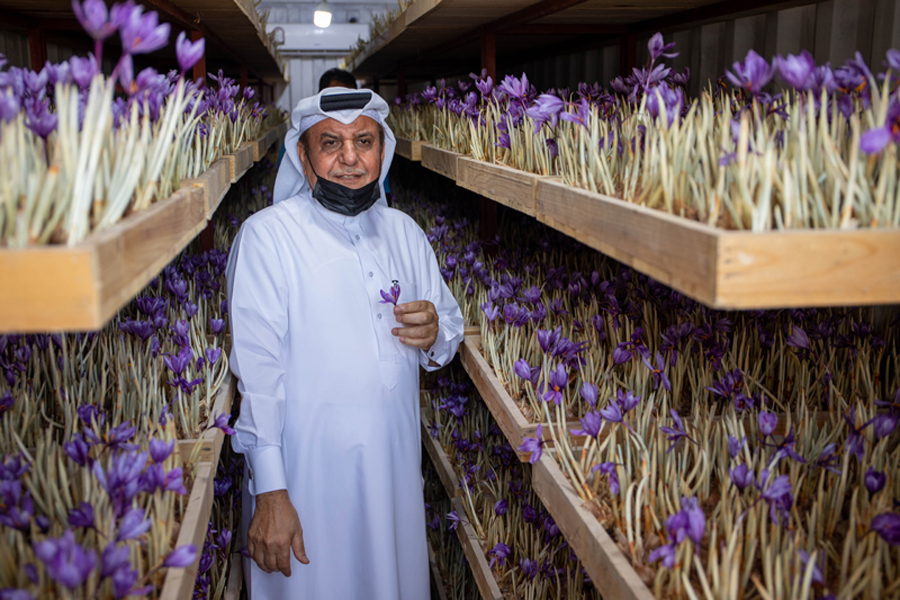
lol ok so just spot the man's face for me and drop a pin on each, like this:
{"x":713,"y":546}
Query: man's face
{"x":350,"y":155}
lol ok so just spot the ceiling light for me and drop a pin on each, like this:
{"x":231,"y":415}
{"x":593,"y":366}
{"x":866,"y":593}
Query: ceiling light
{"x":322,"y":16}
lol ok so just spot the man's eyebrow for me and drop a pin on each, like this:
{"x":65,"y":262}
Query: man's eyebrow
{"x":329,"y":135}
{"x":365,"y":134}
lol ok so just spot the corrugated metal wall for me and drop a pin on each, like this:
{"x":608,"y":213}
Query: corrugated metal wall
{"x":304,"y":73}
{"x":832,"y":31}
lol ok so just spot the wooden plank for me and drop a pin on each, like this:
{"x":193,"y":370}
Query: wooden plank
{"x":215,"y":181}
{"x":808,"y":268}
{"x":235,"y":577}
{"x":211,"y":440}
{"x":487,"y":585}
{"x":441,"y":462}
{"x":609,"y":569}
{"x":409,"y":149}
{"x":179,"y":583}
{"x":440,"y":161}
{"x":436,"y":579}
{"x":674,"y":251}
{"x":243,"y":160}
{"x":506,"y":412}
{"x":510,"y":187}
{"x":472,"y":330}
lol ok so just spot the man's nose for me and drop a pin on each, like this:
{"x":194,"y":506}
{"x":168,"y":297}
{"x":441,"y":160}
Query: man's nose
{"x":348,"y":153}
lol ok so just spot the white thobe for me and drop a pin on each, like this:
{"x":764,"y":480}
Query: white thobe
{"x":330,"y":405}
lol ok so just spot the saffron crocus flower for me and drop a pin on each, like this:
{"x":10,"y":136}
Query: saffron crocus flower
{"x":392,"y":295}
{"x":142,"y":33}
{"x":133,"y":525}
{"x":83,"y":69}
{"x":213,"y":355}
{"x":658,"y":372}
{"x":114,"y":557}
{"x":454,"y":519}
{"x":778,"y":495}
{"x":181,"y":557}
{"x":741,"y":476}
{"x":887,"y":525}
{"x":529,"y":568}
{"x":609,"y":468}
{"x":753,"y":74}
{"x":797,"y":71}
{"x":94,"y":18}
{"x":875,"y":140}
{"x":83,"y":516}
{"x":658,"y":47}
{"x":875,"y":480}
{"x":78,"y":450}
{"x":884,"y":425}
{"x":673,"y":434}
{"x":66,"y":562}
{"x":767,"y":423}
{"x":591,"y":425}
{"x":589,"y":393}
{"x":15,"y":594}
{"x":178,"y":363}
{"x":187,"y":52}
{"x":499,"y":554}
{"x":546,"y":108}
{"x":559,"y":379}
{"x":6,"y":403}
{"x":798,"y":339}
{"x":500,"y":507}
{"x":534,"y":445}
{"x":160,"y":450}
{"x":735,"y":445}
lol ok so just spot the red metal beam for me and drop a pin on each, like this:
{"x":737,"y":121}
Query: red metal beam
{"x":200,"y":66}
{"x":489,"y":54}
{"x":37,"y":47}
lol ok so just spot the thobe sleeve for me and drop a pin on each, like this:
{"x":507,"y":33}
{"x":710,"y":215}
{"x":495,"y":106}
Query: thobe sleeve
{"x":451,"y":324}
{"x":257,"y":300}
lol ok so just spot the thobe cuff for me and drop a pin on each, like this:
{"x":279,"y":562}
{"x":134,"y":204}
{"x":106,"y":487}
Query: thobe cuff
{"x":266,"y":470}
{"x":439,"y":352}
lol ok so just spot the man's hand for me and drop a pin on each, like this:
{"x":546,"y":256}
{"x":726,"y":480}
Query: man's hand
{"x":275,"y":531}
{"x":421,"y":320}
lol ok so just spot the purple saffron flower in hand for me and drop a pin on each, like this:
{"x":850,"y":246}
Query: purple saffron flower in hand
{"x":66,"y":562}
{"x":534,"y":445}
{"x":181,"y":557}
{"x":767,"y":423}
{"x":753,"y":74}
{"x":187,"y":52}
{"x":875,"y":480}
{"x":392,"y":295}
{"x":887,"y":525}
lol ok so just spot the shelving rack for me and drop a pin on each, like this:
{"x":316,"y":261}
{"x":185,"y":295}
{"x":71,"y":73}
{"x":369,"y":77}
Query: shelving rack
{"x":54,"y":288}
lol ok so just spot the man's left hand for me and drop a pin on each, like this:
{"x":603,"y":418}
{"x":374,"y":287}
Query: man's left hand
{"x":421,"y":324}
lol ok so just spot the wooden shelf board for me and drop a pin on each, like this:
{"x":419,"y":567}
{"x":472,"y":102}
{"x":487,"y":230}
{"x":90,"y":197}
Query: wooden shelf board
{"x":509,"y":417}
{"x":487,"y":585}
{"x":409,"y":149}
{"x":211,"y":440}
{"x":58,"y":288}
{"x":723,"y":269}
{"x":510,"y":187}
{"x":436,"y":578}
{"x":235,"y":577}
{"x":609,"y":569}
{"x":441,"y":462}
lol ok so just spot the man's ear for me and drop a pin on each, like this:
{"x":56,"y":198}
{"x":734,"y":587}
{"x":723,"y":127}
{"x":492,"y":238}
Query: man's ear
{"x":304,"y":162}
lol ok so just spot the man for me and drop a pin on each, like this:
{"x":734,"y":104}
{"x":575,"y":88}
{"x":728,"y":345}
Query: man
{"x":337,"y":78}
{"x":328,"y":366}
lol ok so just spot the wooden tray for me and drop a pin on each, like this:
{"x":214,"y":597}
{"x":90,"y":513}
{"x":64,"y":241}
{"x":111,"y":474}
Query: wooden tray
{"x":609,"y":569}
{"x":409,"y":149}
{"x":512,"y":422}
{"x":214,"y":182}
{"x":235,"y":577}
{"x":211,"y":440}
{"x":510,"y":187}
{"x":487,"y":585}
{"x":54,"y":288}
{"x":731,"y":269}
{"x":440,"y":161}
{"x":241,"y":160}
{"x":441,"y":463}
{"x":437,"y":587}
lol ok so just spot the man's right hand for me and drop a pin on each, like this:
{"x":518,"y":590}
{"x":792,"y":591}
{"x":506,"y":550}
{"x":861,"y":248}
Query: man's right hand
{"x":275,"y":531}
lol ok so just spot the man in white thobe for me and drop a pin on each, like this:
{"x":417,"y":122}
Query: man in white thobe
{"x":328,"y":365}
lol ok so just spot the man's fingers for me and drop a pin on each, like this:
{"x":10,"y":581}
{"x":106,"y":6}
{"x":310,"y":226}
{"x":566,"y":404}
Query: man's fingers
{"x":284,"y":560}
{"x":413,"y":307}
{"x":416,"y":333}
{"x":421,"y":344}
{"x":299,"y":548}
{"x":417,"y":318}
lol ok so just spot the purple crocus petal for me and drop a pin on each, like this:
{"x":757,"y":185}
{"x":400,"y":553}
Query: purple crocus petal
{"x":188,"y":53}
{"x":181,"y":557}
{"x":884,"y":425}
{"x":15,"y":594}
{"x":93,"y":16}
{"x":658,"y":47}
{"x":741,"y":476}
{"x":500,"y":507}
{"x":142,"y":33}
{"x":217,"y":325}
{"x":887,"y":525}
{"x":696,"y":520}
{"x":160,"y":450}
{"x":666,"y":553}
{"x":533,"y":445}
{"x":589,"y":393}
{"x":522,"y":369}
{"x":875,"y":140}
{"x":133,"y":525}
{"x":735,"y":445}
{"x":797,"y":70}
{"x":798,"y":339}
{"x":212,"y":355}
{"x":82,"y":516}
{"x":767,"y":423}
{"x":221,"y":422}
{"x":875,"y":480}
{"x":65,"y":561}
{"x":612,"y":412}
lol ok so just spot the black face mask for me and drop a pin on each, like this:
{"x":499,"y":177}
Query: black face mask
{"x":343,"y":200}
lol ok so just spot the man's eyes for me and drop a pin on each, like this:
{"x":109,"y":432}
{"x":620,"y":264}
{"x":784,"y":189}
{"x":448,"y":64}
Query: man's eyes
{"x":331,"y":144}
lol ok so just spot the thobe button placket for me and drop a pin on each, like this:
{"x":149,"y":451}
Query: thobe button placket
{"x":379,"y":315}
{"x":371,"y":274}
